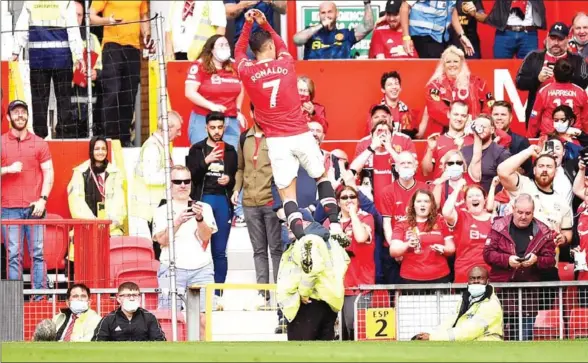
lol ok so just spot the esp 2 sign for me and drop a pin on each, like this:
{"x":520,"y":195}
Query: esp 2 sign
{"x":380,"y":324}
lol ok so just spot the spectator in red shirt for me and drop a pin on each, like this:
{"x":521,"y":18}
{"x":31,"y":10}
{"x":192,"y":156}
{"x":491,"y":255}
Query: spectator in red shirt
{"x":379,"y":158}
{"x":560,"y":92}
{"x":423,"y":242}
{"x":401,"y":117}
{"x":27,"y":180}
{"x":455,"y":171}
{"x":438,"y":145}
{"x":387,"y":37}
{"x":312,"y":110}
{"x":396,"y":196}
{"x":453,"y":81}
{"x":213,"y":85}
{"x":470,"y":226}
{"x":359,"y":226}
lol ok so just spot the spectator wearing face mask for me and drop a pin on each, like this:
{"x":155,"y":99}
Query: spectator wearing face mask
{"x":314,"y":111}
{"x":478,"y":315}
{"x":423,"y":242}
{"x":573,"y":138}
{"x":455,"y":169}
{"x":129,"y":322}
{"x":77,"y":322}
{"x":560,"y":92}
{"x":212,"y":85}
{"x":536,"y":70}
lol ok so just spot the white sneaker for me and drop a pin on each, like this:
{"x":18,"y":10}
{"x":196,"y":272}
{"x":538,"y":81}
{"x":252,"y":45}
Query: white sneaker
{"x":218,"y":304}
{"x":258,"y":303}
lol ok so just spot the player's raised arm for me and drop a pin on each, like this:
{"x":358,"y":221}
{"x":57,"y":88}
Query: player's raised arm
{"x":243,"y":42}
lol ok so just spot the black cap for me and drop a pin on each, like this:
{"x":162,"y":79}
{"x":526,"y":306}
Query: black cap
{"x":559,"y":30}
{"x":17,"y":103}
{"x":393,"y":7}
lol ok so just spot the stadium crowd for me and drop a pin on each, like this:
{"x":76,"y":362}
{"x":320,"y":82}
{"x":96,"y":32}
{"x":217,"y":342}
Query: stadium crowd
{"x":481,"y":196}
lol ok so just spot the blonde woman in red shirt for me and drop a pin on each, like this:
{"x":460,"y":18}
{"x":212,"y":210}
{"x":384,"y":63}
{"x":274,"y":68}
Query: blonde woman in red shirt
{"x":423,"y":242}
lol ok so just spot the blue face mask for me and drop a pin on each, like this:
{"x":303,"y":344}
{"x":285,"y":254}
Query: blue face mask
{"x":476,"y":290}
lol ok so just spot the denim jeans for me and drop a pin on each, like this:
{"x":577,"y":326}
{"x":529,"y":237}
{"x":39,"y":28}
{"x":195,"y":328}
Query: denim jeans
{"x":218,"y":242}
{"x":197,"y":130}
{"x":184,"y":279}
{"x":508,"y":43}
{"x":13,"y":237}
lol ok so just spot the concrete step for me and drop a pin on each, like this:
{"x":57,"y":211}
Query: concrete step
{"x":250,"y":325}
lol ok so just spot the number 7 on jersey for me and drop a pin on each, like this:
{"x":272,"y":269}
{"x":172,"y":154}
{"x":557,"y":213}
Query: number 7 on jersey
{"x":274,"y":85}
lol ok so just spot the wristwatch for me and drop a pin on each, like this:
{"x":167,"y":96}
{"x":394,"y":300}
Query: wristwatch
{"x":199,"y":220}
{"x":371,"y":150}
{"x":44,"y":197}
{"x":366,"y":2}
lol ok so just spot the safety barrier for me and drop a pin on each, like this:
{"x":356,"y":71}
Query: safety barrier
{"x":59,"y":265}
{"x":532,"y":311}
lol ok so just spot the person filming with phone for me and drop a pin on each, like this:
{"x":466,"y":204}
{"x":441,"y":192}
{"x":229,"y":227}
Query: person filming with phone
{"x":193,"y":224}
{"x":213,"y":164}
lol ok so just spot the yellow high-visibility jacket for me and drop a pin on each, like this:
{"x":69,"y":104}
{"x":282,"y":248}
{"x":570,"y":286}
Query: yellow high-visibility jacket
{"x":324,"y":282}
{"x":482,"y":321}
{"x":84,"y":326}
{"x":114,"y":199}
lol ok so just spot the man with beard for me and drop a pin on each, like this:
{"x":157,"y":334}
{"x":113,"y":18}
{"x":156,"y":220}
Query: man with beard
{"x":213,"y":164}
{"x":387,"y":38}
{"x":27,"y":180}
{"x":502,"y":118}
{"x":492,"y":153}
{"x":551,"y":208}
{"x":579,"y":39}
{"x":537,"y":68}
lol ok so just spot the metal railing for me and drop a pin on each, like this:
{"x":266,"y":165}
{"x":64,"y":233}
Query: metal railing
{"x":531,"y":311}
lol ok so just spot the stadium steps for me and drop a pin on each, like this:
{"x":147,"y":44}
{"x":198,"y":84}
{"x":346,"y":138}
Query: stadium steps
{"x":245,"y":326}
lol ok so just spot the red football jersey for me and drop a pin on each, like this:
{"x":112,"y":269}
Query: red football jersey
{"x":446,"y":143}
{"x":551,"y":96}
{"x":427,"y":265}
{"x":470,"y":237}
{"x":362,"y":268}
{"x":388,"y":42}
{"x":395,"y":199}
{"x":272,"y":86}
{"x":400,"y":142}
{"x":222,"y":87}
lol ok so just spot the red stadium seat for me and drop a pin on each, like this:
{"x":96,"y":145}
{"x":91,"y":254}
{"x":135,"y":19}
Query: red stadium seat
{"x":131,"y":242}
{"x":165,"y":320}
{"x":55,"y":241}
{"x":143,"y":274}
{"x":127,"y":253}
{"x":578,"y":324}
{"x":565,"y":271}
{"x":547,"y":325}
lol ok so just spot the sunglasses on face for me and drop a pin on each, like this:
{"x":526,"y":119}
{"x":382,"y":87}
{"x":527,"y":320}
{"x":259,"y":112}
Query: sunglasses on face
{"x":181,"y":181}
{"x":347,"y":197}
{"x":449,"y":163}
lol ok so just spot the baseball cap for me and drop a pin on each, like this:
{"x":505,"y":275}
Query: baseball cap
{"x":559,"y":30}
{"x":17,"y":103}
{"x":393,"y":7}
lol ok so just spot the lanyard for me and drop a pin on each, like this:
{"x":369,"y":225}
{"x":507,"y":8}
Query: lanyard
{"x":100,"y":186}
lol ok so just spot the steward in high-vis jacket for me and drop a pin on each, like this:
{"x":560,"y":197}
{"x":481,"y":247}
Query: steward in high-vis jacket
{"x":310,"y":289}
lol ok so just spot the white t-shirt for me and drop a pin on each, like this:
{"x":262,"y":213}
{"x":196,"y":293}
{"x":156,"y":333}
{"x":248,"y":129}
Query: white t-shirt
{"x":189,"y":252}
{"x":514,"y":20}
{"x":562,"y":185}
{"x":550,"y":208}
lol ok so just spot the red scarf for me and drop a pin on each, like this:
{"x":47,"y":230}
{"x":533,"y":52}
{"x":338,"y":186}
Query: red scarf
{"x":188,"y":9}
{"x":519,"y":7}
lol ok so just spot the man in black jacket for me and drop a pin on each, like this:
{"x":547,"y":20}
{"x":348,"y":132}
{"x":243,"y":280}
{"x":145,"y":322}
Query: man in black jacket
{"x":502,"y":118}
{"x":213,"y":165}
{"x":537,"y":69}
{"x":129,"y":322}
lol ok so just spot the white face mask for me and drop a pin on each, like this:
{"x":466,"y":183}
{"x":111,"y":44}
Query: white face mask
{"x":476,"y":290}
{"x":78,"y":306}
{"x":222,"y":55}
{"x":130,"y":306}
{"x":454,"y":171}
{"x":405,"y":173}
{"x":560,"y":127}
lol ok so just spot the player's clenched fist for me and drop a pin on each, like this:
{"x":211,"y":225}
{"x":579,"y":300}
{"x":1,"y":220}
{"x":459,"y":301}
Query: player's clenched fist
{"x":249,"y":16}
{"x":259,"y":17}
